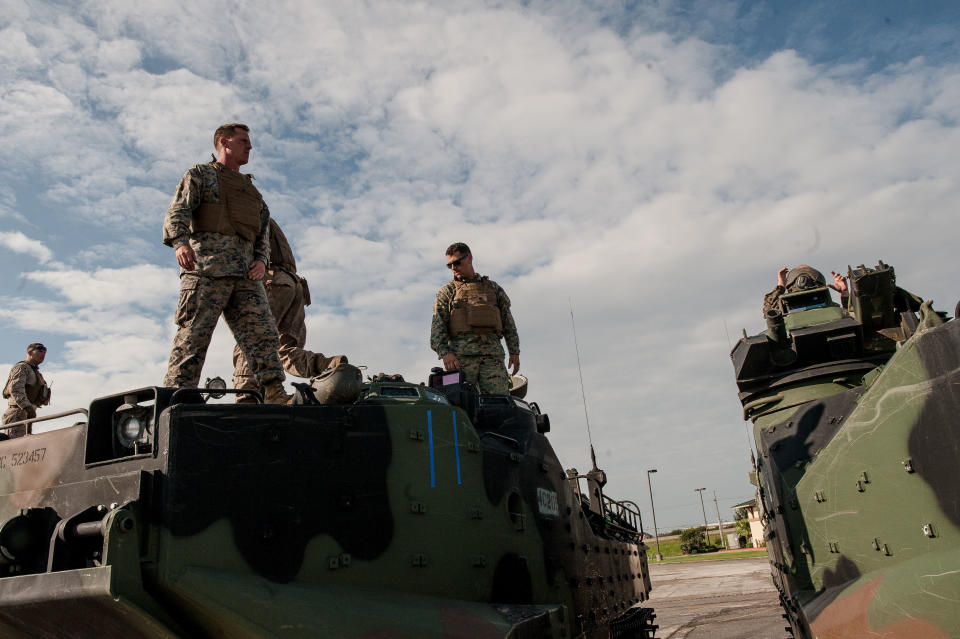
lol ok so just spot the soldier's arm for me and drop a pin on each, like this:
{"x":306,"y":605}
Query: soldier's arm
{"x":261,"y":246}
{"x":187,"y":197}
{"x":509,"y":326}
{"x":770,"y":299}
{"x":439,"y":335}
{"x":18,"y":389}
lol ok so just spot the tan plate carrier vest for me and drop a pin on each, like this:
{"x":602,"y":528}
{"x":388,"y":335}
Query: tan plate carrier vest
{"x":237,"y":212}
{"x":474,"y":309}
{"x":38,"y":393}
{"x":281,"y":255}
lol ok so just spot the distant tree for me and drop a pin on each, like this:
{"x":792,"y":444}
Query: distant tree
{"x":692,"y":541}
{"x":742,"y":524}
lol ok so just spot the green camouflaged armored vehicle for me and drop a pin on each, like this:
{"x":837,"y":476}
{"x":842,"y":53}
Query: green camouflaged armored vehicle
{"x":855,"y":411}
{"x":414,"y":511}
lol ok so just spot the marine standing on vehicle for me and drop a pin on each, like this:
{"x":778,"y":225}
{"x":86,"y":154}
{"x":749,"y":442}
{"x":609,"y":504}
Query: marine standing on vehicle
{"x":219,"y":225}
{"x":287,"y":294}
{"x":470,"y":316}
{"x":26,"y":390}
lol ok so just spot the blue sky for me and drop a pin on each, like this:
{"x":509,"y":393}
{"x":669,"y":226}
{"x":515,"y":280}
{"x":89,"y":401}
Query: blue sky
{"x":654,"y":163}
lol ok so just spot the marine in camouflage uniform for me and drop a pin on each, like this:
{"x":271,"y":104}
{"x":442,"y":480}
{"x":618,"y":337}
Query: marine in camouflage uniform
{"x":25,"y":390}
{"x":802,"y":278}
{"x":470,"y":316}
{"x":288,"y":294}
{"x":219,"y":225}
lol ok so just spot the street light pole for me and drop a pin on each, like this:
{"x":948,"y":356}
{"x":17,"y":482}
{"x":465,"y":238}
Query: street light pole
{"x":656,"y":535}
{"x":704,"y":510}
{"x":716,"y":504}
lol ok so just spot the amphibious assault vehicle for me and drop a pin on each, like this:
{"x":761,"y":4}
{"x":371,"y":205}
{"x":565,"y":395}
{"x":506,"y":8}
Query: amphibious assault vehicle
{"x":854,"y":415}
{"x":414,"y":510}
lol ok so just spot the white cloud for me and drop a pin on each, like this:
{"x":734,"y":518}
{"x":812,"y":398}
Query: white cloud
{"x":144,"y":285}
{"x":20,"y":243}
{"x":648,"y":175}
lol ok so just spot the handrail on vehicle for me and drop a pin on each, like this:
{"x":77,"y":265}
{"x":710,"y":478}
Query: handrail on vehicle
{"x":29,"y":422}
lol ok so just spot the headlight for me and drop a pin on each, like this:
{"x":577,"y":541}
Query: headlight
{"x":133,"y":424}
{"x":129,"y":428}
{"x":215,"y":384}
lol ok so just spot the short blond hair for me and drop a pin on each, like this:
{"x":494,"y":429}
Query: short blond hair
{"x":227,"y":131}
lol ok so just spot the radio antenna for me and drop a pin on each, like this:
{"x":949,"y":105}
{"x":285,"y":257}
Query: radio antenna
{"x":583,"y":394}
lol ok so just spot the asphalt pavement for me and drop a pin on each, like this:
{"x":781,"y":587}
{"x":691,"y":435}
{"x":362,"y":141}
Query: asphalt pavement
{"x":721,"y":599}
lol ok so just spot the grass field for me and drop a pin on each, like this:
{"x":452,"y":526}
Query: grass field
{"x":670,"y":549}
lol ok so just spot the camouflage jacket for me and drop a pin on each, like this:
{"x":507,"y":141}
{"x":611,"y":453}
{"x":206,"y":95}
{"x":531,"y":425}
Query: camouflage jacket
{"x":468,"y":343}
{"x":25,"y":386}
{"x":217,"y":255}
{"x":770,"y":299}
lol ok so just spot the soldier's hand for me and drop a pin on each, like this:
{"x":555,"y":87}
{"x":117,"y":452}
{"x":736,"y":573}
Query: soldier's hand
{"x":450,"y":362}
{"x":782,"y":277}
{"x":839,"y":283}
{"x":257,"y":269}
{"x":186,"y":257}
{"x":515,"y":363}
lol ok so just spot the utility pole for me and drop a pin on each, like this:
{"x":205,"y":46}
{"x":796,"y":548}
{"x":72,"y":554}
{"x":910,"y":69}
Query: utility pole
{"x":723,"y":543}
{"x":656,"y":535}
{"x":706,"y":532}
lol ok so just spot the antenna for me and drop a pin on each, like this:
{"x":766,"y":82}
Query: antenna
{"x":576,"y":346}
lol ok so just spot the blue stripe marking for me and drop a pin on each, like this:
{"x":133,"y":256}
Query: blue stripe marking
{"x":433,"y":471}
{"x":456,"y":446}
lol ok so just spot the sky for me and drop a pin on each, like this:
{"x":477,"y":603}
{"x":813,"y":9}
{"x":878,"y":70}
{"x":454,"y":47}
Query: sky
{"x":641,"y":167}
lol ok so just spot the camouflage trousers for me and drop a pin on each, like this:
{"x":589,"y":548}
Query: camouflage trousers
{"x":285,"y":294}
{"x":243,"y":303}
{"x":16,"y":414}
{"x":488,"y":372}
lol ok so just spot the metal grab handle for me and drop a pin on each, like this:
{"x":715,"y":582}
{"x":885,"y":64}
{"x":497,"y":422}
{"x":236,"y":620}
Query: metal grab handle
{"x":29,"y":422}
{"x":763,"y":401}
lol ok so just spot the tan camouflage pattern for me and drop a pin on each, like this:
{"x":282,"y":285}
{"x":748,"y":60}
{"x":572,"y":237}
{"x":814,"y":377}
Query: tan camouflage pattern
{"x":286,"y":299}
{"x":243,"y":303}
{"x":24,"y":391}
{"x":217,"y":255}
{"x":479,"y":355}
{"x":16,"y":414}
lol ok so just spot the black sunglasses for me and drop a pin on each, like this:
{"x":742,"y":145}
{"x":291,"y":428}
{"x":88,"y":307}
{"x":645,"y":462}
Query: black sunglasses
{"x":456,"y":262}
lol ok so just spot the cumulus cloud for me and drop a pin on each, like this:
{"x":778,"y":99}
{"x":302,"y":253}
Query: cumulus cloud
{"x":654,"y":163}
{"x":20,"y":243}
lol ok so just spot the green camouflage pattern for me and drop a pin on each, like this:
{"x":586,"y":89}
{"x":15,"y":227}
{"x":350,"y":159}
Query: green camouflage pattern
{"x":488,"y":373}
{"x":217,"y":255}
{"x":243,"y":304}
{"x":394,"y":516}
{"x":857,"y":455}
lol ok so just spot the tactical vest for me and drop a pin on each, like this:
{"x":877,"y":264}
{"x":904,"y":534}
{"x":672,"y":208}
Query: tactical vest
{"x":237,"y":212}
{"x":281,"y":255}
{"x":474,"y":309}
{"x":38,"y":393}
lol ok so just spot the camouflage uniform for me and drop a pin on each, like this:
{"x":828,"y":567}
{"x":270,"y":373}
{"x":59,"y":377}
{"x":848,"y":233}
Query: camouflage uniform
{"x":219,"y":285}
{"x":288,"y":294}
{"x":481,"y":356}
{"x":25,"y":390}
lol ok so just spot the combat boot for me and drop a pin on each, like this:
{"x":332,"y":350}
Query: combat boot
{"x":273,"y":393}
{"x":246,"y":398}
